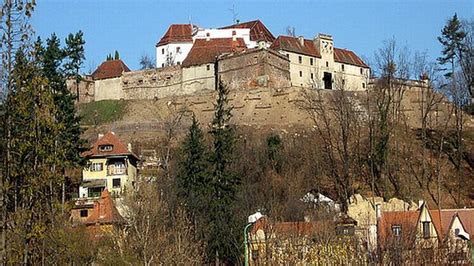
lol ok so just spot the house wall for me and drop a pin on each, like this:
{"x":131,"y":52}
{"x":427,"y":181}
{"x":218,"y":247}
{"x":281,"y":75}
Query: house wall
{"x":91,"y":175}
{"x":426,"y":217}
{"x":170,"y":49}
{"x":108,"y":89}
{"x":355,"y":77}
{"x":226,"y":33}
{"x":258,"y":68}
{"x":197,"y":78}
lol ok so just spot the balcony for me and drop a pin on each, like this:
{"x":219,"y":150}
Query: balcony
{"x":116,"y":166}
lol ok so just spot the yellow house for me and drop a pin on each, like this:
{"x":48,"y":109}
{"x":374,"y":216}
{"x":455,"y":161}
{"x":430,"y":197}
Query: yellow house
{"x":110,"y":165}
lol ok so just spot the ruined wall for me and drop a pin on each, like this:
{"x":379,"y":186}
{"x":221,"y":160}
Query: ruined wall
{"x":151,"y":83}
{"x":197,"y":78}
{"x":85,"y":90}
{"x":254,"y":68}
{"x":108,"y":89}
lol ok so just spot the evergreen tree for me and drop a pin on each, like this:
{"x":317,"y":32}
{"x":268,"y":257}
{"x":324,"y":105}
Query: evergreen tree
{"x":74,"y":52}
{"x":224,"y":230}
{"x":117,"y":56}
{"x":451,"y":38}
{"x":193,"y":179}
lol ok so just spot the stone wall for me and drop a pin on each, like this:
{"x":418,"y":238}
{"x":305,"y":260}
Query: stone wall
{"x":254,"y":68}
{"x":108,"y":89}
{"x":151,"y":83}
{"x":85,"y":90}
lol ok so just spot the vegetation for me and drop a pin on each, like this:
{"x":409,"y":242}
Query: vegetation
{"x":101,"y":112}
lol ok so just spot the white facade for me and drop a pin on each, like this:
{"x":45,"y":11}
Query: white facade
{"x":174,"y":53}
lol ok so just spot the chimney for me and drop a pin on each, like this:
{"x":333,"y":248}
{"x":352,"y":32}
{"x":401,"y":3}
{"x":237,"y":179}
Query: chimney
{"x":129,"y":147}
{"x":378,"y":211}
{"x":301,"y":40}
{"x":99,"y":136}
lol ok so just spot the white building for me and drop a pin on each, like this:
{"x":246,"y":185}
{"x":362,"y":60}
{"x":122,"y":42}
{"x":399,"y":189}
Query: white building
{"x":175,"y":45}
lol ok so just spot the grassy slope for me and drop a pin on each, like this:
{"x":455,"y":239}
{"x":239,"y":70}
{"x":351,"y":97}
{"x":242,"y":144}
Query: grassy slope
{"x":101,"y":112}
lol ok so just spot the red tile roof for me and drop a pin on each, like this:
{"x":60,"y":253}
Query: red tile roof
{"x":110,"y":69}
{"x":104,"y":211}
{"x":348,"y":57}
{"x":118,"y":148}
{"x":406,"y":219}
{"x":292,"y":44}
{"x":177,"y":33}
{"x":206,"y":51}
{"x":258,"y":31}
{"x":443,"y":220}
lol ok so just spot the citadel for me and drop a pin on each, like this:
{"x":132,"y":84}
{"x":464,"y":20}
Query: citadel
{"x":190,"y":60}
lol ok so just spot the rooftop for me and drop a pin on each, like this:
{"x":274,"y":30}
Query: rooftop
{"x":118,"y":148}
{"x":177,"y":33}
{"x":206,"y":51}
{"x":110,"y":69}
{"x":258,"y":31}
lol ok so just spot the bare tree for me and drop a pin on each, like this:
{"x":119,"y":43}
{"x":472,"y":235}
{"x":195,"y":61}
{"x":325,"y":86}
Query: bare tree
{"x":291,"y":31}
{"x":146,"y":62}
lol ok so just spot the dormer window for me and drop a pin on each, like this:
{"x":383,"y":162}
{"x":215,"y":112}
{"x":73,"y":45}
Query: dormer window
{"x":105,"y":148}
{"x":397,"y":230}
{"x":234,"y":33}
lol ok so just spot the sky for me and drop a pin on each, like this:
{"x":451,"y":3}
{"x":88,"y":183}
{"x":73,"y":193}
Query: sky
{"x":133,"y":27}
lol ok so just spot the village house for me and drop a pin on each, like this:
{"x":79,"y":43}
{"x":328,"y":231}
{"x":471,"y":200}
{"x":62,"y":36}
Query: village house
{"x":425,"y":229}
{"x":110,"y":165}
{"x":99,"y":216}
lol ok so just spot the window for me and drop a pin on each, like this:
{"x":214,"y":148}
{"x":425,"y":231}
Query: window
{"x":327,"y":78}
{"x":361,"y":71}
{"x":457,"y":231}
{"x":208,"y":34}
{"x":234,"y":33}
{"x":363,"y":85}
{"x":178,"y":63}
{"x":300,"y":59}
{"x":397,"y":230}
{"x":342,"y":67}
{"x":116,"y":182}
{"x":105,"y":147}
{"x":327,"y":64}
{"x":312,"y":76}
{"x":343,"y":82}
{"x":178,"y":49}
{"x":426,"y":229}
{"x":208,"y":67}
{"x":301,"y":73}
{"x":287,"y":55}
{"x":97,"y":167}
{"x":163,"y":51}
{"x":311,"y":61}
{"x":84,"y":213}
{"x":163,"y":65}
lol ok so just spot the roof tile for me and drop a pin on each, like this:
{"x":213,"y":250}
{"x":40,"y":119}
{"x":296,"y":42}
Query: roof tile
{"x":206,"y":51}
{"x":177,"y":33}
{"x":110,"y":69}
{"x":258,"y":31}
{"x":118,"y":148}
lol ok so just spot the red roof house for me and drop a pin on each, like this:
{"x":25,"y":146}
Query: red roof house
{"x":258,"y":31}
{"x":177,"y":33}
{"x":104,"y":211}
{"x":110,"y":69}
{"x":109,"y":139}
{"x":206,"y":51}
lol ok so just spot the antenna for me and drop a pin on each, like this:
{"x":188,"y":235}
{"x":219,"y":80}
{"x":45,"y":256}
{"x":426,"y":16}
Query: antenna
{"x":234,"y":13}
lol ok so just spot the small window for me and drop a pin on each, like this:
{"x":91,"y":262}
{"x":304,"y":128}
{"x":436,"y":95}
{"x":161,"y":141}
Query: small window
{"x":327,"y":64}
{"x":140,"y":81}
{"x":163,"y":65}
{"x":84,"y":213}
{"x":208,"y":67}
{"x":363,"y":85}
{"x":343,"y":82}
{"x":426,"y":229}
{"x":116,"y":182}
{"x":301,"y":73}
{"x":163,"y":51}
{"x":361,"y":71}
{"x":208,"y":34}
{"x":342,"y":67}
{"x":234,"y":33}
{"x":457,"y":231}
{"x":287,"y":55}
{"x":105,"y":147}
{"x":312,"y":76}
{"x":178,"y":49}
{"x":97,"y":167}
{"x":300,"y":59}
{"x":311,"y":61}
{"x":179,"y":63}
{"x":397,"y":230}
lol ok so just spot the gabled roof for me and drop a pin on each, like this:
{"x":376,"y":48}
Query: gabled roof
{"x":118,"y":148}
{"x":110,"y":69}
{"x":258,"y":31}
{"x":206,"y":51}
{"x":442,"y":220}
{"x":348,"y":57}
{"x":104,"y":211}
{"x":177,"y":33}
{"x":292,"y":44}
{"x":406,"y":219}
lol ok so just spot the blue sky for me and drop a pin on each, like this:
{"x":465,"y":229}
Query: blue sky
{"x":134,"y":27}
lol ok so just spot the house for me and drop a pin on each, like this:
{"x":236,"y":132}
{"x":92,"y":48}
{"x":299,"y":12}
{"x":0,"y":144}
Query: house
{"x":426,"y":229}
{"x":108,"y":80}
{"x":110,"y":165}
{"x":175,"y":45}
{"x":317,"y":63}
{"x":99,"y":216}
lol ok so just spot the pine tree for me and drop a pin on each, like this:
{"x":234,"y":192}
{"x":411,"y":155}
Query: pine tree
{"x":193,"y":179}
{"x":224,"y":230}
{"x":74,"y":52}
{"x":451,"y":38}
{"x":117,"y":56}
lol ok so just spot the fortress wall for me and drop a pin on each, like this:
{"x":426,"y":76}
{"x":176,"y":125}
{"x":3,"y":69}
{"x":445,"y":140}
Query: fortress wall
{"x":152,"y":83}
{"x":254,"y":68}
{"x":108,"y":89}
{"x":197,"y":78}
{"x":86,"y":89}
